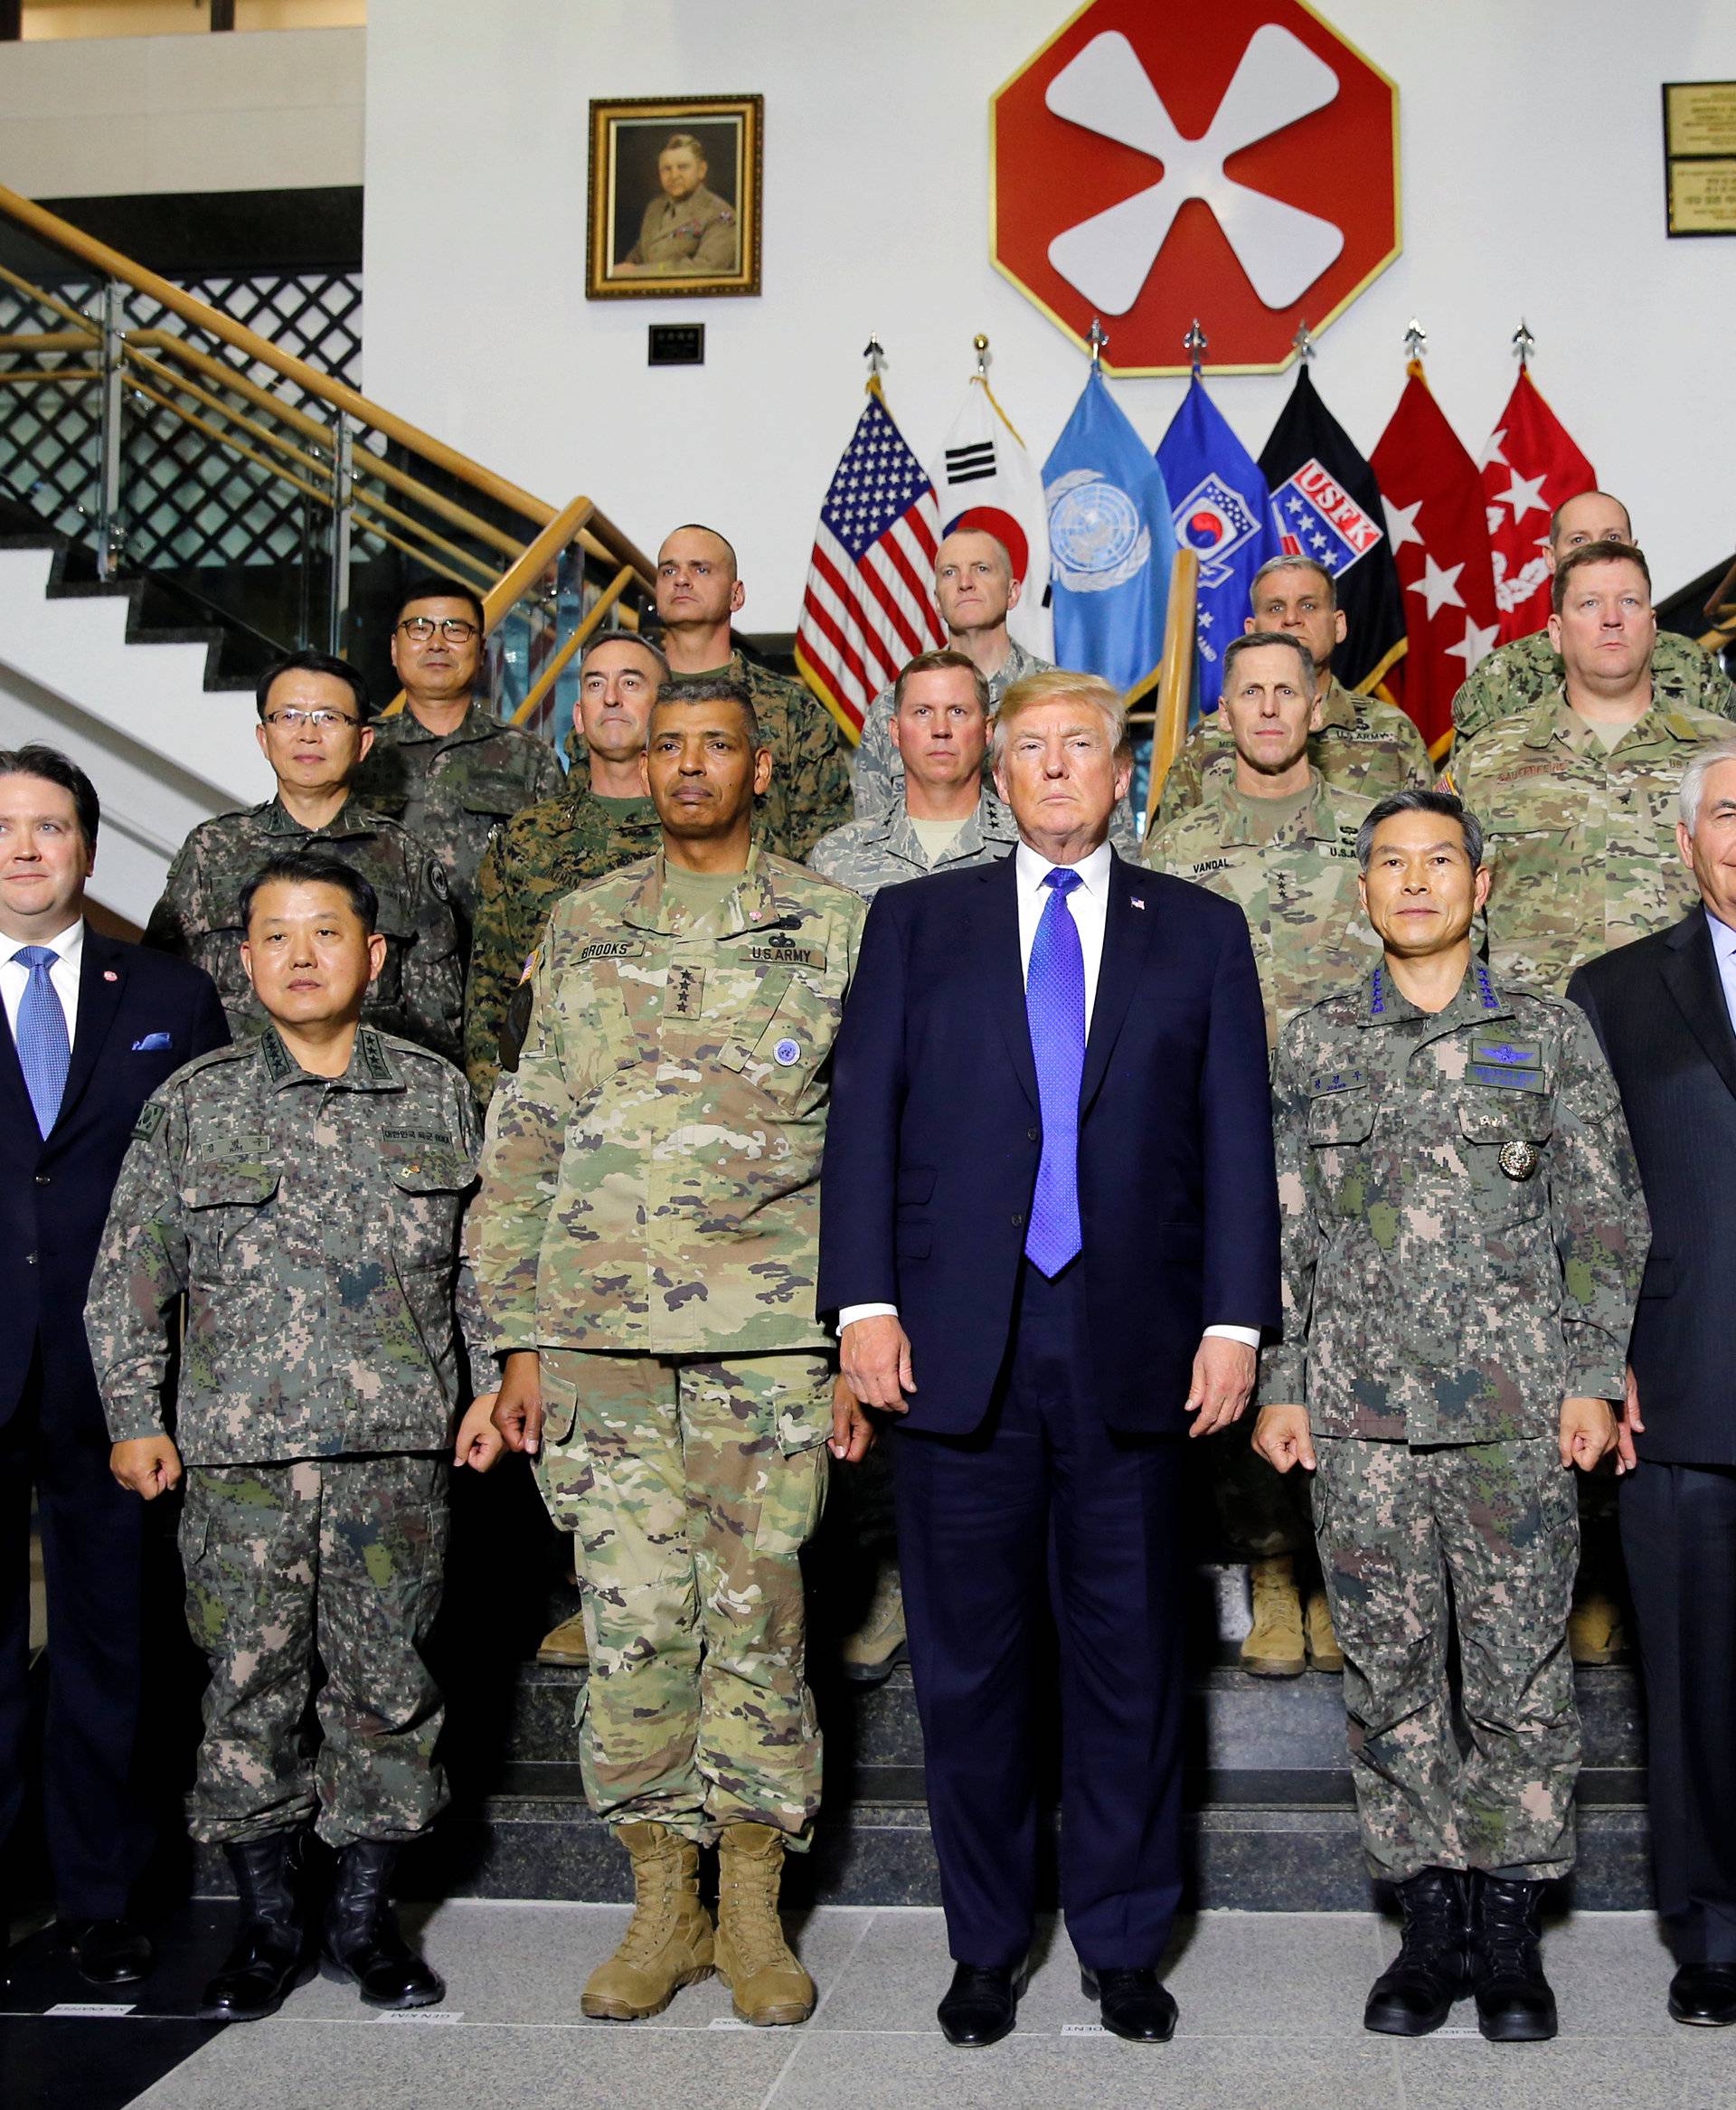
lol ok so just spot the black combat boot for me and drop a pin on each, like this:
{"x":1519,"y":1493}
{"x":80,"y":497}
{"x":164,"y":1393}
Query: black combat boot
{"x":1415,"y":1993}
{"x":267,"y":1961}
{"x":362,"y":1941}
{"x":1514,"y":2002}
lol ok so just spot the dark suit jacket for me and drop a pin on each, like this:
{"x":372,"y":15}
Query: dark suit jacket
{"x":54,"y":1190}
{"x":1658,"y":1009}
{"x":933,"y":1139}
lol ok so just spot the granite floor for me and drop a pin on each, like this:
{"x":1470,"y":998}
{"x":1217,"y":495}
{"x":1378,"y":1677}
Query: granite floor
{"x":1270,"y":2020}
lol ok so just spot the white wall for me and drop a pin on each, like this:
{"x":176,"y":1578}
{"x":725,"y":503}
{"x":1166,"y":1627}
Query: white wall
{"x":876,"y":182}
{"x":124,"y":116}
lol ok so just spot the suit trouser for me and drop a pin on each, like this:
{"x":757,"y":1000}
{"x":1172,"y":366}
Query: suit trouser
{"x":1678,"y":1530}
{"x":1044,"y":1494}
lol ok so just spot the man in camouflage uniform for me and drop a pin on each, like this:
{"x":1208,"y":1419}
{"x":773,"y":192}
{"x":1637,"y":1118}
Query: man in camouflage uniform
{"x":601,"y":817}
{"x":645,"y":1244}
{"x":1357,"y":743}
{"x":689,"y":230}
{"x":1512,"y":680}
{"x":697,"y":591}
{"x":1464,"y":1234}
{"x":444,"y":767}
{"x":313,"y":730}
{"x":302,"y":1191}
{"x":1272,"y":835}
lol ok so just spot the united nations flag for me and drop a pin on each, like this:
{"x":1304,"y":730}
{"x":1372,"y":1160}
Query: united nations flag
{"x":1110,"y":544}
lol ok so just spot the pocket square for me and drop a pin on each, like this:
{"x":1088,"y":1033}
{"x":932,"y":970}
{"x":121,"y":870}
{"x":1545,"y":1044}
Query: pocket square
{"x":152,"y":1043}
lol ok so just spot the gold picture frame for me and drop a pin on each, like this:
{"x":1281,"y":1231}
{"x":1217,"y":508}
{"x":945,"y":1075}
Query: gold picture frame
{"x":674,"y":196}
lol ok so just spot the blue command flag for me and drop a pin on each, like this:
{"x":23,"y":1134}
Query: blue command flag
{"x":1110,"y":544}
{"x":1222,"y":510}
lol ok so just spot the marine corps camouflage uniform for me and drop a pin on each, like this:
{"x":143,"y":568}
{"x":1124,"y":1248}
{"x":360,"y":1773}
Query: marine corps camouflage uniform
{"x":1364,"y":746}
{"x":649,"y":1222}
{"x":453,"y":789}
{"x":866,"y":854}
{"x":1581,"y":839}
{"x":312,"y":1223}
{"x":539,"y":855}
{"x":419,"y":991}
{"x":1464,"y":1234}
{"x":1514,"y":678}
{"x":877,"y":768}
{"x":810,"y":770}
{"x":699,"y":232}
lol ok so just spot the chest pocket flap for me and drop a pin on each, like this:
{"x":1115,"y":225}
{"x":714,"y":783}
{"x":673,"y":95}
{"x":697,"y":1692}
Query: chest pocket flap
{"x":1342,"y":1116}
{"x":228,"y":1183}
{"x":1498,"y":1115}
{"x":491,"y":791}
{"x":431,"y":1169}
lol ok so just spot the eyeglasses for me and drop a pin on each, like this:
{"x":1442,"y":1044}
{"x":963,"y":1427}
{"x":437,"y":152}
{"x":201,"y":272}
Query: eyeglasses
{"x":293,"y":721}
{"x":422,"y":627}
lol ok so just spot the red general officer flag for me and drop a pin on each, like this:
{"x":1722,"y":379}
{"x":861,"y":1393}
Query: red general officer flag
{"x":1530,"y":466}
{"x":1433,"y":500}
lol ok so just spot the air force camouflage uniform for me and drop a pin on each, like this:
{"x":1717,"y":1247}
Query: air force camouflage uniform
{"x":877,"y":769}
{"x":1464,"y":1234}
{"x":312,"y":1223}
{"x":419,"y":991}
{"x":866,"y":854}
{"x":1516,"y":678}
{"x":649,"y":1222}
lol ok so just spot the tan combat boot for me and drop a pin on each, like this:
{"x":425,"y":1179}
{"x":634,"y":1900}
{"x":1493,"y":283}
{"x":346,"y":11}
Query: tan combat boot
{"x":566,"y":1645}
{"x":1595,"y":1630}
{"x":869,"y":1656}
{"x":1274,"y":1646}
{"x":753,"y":1959}
{"x":1324,"y":1652}
{"x":669,"y":1941}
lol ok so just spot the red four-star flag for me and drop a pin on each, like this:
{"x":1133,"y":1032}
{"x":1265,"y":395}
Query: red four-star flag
{"x":869,"y":606}
{"x":1530,"y":466}
{"x":1435,"y":517}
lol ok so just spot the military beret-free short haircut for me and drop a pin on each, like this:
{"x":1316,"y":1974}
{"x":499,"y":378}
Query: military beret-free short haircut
{"x":1597,"y":553}
{"x":55,"y":768}
{"x":315,"y":663}
{"x":441,"y":586}
{"x":713,"y":688}
{"x":314,"y":868}
{"x":1444,"y":804}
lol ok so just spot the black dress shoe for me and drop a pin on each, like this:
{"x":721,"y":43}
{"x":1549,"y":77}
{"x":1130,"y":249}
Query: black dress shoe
{"x":1135,"y":2004}
{"x":1514,"y":2004}
{"x":110,"y":1952}
{"x":1705,"y":1994}
{"x":1416,"y":1992}
{"x":982,"y":2004}
{"x":362,"y":1941}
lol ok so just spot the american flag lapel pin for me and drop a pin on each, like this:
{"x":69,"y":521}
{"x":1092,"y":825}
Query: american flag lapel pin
{"x":1137,"y":900}
{"x":109,"y":974}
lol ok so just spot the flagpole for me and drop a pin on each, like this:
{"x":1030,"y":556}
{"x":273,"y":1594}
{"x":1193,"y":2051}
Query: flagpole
{"x":876,"y":359}
{"x":1524,"y":343}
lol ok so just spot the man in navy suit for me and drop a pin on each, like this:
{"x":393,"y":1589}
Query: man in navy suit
{"x":1049,"y":1231}
{"x":92,"y":1028}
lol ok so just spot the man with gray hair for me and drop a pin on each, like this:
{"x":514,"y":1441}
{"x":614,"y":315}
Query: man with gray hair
{"x":1357,"y":743}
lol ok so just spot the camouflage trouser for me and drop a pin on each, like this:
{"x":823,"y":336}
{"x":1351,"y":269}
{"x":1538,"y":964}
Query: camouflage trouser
{"x":693,"y":1486}
{"x":1261,"y":1512}
{"x":335,"y":1557}
{"x":1498,"y":1522}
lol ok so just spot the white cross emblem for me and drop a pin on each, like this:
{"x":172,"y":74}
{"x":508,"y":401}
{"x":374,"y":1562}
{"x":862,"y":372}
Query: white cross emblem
{"x":1283,"y":249}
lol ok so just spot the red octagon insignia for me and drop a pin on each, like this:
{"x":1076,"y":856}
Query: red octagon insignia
{"x":1237,"y":163}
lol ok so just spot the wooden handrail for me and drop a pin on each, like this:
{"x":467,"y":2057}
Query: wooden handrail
{"x":1176,"y":678}
{"x":557,"y":666}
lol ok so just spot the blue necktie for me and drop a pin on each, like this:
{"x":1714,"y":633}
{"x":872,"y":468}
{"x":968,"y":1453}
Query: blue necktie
{"x":1054,"y":1003}
{"x":44,"y":1052}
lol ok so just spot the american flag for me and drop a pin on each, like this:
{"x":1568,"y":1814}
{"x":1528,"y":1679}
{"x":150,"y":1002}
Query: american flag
{"x":870,"y":605}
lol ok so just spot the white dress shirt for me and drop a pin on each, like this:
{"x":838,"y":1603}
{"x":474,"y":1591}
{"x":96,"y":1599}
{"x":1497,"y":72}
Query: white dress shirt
{"x":64,"y":974}
{"x":1724,"y":947}
{"x":1089,"y":902}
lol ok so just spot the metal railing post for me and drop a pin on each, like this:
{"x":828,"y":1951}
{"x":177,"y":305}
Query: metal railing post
{"x":343,"y":441}
{"x":110,"y":531}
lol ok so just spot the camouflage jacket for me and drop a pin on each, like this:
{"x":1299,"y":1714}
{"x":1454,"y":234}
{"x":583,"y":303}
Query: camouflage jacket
{"x":312,"y":1223}
{"x":809,"y":790}
{"x":651,"y":1176}
{"x":1464,"y":1229}
{"x":1513,"y":679}
{"x":866,"y":854}
{"x":419,"y":991}
{"x":455,"y":789}
{"x":539,"y":855}
{"x":1364,"y":746}
{"x":1581,"y":842}
{"x":1298,"y":890}
{"x":877,"y":769}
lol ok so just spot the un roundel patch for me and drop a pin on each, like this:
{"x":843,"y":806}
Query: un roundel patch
{"x":787,"y":1051}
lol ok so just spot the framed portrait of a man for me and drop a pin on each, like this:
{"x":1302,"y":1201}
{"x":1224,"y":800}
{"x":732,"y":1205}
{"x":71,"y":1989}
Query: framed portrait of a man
{"x":674,"y":196}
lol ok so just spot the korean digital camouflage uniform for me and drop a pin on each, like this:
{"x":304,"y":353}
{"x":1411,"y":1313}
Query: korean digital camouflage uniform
{"x":699,"y":232}
{"x":649,"y":1221}
{"x":454,"y":789}
{"x":810,"y":771}
{"x":866,"y":854}
{"x":1463,"y":1238}
{"x":539,"y":855}
{"x":1364,"y":746}
{"x":419,"y":991}
{"x":1513,"y":679}
{"x":312,"y":1223}
{"x":1581,"y":839}
{"x":877,"y":768}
